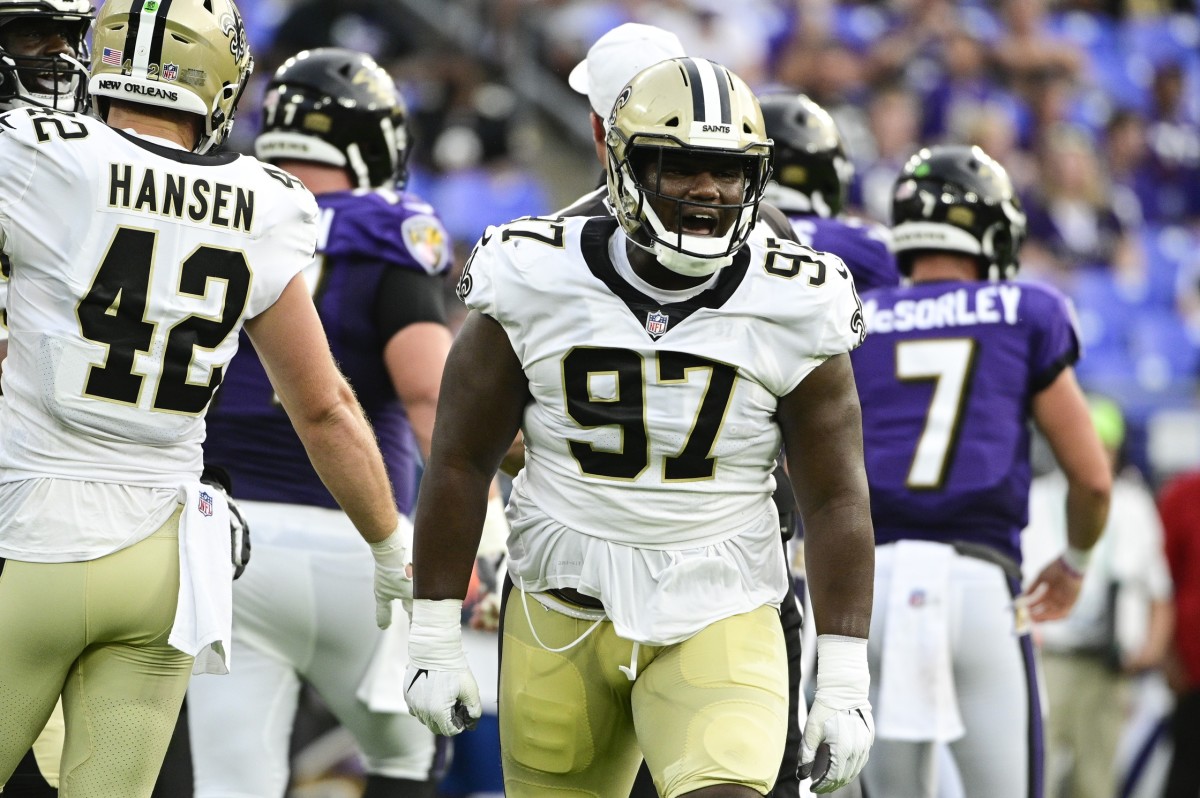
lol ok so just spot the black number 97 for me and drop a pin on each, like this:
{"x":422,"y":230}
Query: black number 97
{"x":625,"y":407}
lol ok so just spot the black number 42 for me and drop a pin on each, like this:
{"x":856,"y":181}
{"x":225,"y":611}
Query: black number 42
{"x":114,"y":314}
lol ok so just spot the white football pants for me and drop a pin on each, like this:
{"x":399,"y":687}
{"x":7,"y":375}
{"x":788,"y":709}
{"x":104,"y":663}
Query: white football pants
{"x":304,"y":611}
{"x":994,"y":680}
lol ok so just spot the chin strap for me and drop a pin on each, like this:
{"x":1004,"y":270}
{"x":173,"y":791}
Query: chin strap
{"x":689,"y":265}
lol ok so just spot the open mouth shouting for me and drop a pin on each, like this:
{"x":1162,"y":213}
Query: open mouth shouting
{"x":700,"y":222}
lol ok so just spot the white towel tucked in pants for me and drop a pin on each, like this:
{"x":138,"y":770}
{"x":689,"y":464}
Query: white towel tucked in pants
{"x":917,"y":697}
{"x":204,"y":616}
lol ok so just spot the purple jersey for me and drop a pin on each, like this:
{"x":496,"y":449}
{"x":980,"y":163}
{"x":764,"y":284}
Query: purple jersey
{"x":946,"y":379}
{"x":366,"y":237}
{"x":865,"y":247}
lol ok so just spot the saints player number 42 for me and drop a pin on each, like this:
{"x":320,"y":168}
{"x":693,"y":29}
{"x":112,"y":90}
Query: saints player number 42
{"x":114,"y":313}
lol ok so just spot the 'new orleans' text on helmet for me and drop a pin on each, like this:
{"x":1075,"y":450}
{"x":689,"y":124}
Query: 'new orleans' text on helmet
{"x":190,"y":56}
{"x":956,"y":198}
{"x":52,"y":79}
{"x":337,"y":107}
{"x":812,"y":173}
{"x":704,"y":110}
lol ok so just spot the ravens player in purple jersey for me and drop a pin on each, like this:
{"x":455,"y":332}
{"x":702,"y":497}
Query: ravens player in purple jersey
{"x":955,"y":367}
{"x":809,"y":184}
{"x":334,"y":120}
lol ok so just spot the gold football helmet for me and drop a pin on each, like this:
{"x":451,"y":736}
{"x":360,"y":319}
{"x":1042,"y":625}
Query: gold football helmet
{"x":190,"y":55}
{"x":702,"y":108}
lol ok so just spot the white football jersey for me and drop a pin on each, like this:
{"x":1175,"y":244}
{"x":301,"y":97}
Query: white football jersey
{"x":134,"y":265}
{"x":654,"y":423}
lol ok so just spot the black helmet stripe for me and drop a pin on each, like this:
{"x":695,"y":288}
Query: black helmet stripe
{"x":131,"y":33}
{"x":160,"y":30}
{"x":147,"y":28}
{"x":710,"y":90}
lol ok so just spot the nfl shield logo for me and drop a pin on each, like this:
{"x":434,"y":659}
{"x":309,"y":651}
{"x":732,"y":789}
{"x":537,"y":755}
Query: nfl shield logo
{"x":206,"y":504}
{"x":170,"y":71}
{"x":656,"y":323}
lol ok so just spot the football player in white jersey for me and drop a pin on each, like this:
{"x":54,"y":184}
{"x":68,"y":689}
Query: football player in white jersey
{"x":43,"y":56}
{"x":611,"y":62}
{"x":116,"y":558}
{"x":655,"y":363}
{"x":43,"y":53}
{"x":42,"y":50}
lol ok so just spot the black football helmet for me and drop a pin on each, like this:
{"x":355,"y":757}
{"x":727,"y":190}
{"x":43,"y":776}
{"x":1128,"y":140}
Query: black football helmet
{"x":337,"y":107}
{"x":956,"y":198}
{"x":52,"y":81}
{"x":812,"y":173}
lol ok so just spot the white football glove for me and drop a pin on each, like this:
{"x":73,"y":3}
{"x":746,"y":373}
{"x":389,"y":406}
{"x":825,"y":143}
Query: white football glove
{"x":438,"y":685}
{"x":840,"y":716}
{"x":391,"y":575}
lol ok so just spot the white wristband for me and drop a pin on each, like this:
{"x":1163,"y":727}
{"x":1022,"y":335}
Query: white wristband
{"x":1077,"y":560}
{"x":393,"y":551}
{"x":843,"y":678}
{"x":436,"y":633}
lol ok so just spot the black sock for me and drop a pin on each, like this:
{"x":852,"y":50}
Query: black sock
{"x":384,"y":787}
{"x":27,"y":782}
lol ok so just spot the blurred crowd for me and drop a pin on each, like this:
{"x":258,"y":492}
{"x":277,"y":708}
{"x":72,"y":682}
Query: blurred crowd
{"x":1092,"y":105}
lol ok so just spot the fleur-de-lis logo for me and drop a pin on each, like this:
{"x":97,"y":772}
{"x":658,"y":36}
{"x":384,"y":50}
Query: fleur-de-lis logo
{"x":620,"y":103}
{"x":232,"y":27}
{"x":858,"y":324}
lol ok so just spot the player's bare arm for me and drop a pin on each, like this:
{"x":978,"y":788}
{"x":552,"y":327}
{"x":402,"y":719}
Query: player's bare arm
{"x":415,"y":357}
{"x":822,"y":414}
{"x":484,"y":391}
{"x":291,"y":342}
{"x":1061,"y":413}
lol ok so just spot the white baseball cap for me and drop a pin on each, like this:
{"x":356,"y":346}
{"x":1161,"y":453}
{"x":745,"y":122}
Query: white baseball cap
{"x":616,"y":57}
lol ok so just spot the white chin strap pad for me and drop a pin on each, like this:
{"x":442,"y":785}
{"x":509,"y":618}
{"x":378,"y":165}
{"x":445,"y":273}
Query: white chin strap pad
{"x":689,"y":265}
{"x":696,"y":256}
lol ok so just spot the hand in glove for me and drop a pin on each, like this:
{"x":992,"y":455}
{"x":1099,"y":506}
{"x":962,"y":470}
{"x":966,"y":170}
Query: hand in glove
{"x":840,"y":728}
{"x":393,"y":577}
{"x":239,"y":530}
{"x":438,"y":685}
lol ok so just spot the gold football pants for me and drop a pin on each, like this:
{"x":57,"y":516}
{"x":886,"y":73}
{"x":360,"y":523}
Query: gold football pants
{"x":96,"y":633}
{"x":707,"y":711}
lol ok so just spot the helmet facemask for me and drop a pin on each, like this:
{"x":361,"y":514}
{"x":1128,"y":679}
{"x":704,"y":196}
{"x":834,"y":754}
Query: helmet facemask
{"x":665,"y":231}
{"x":57,"y":80}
